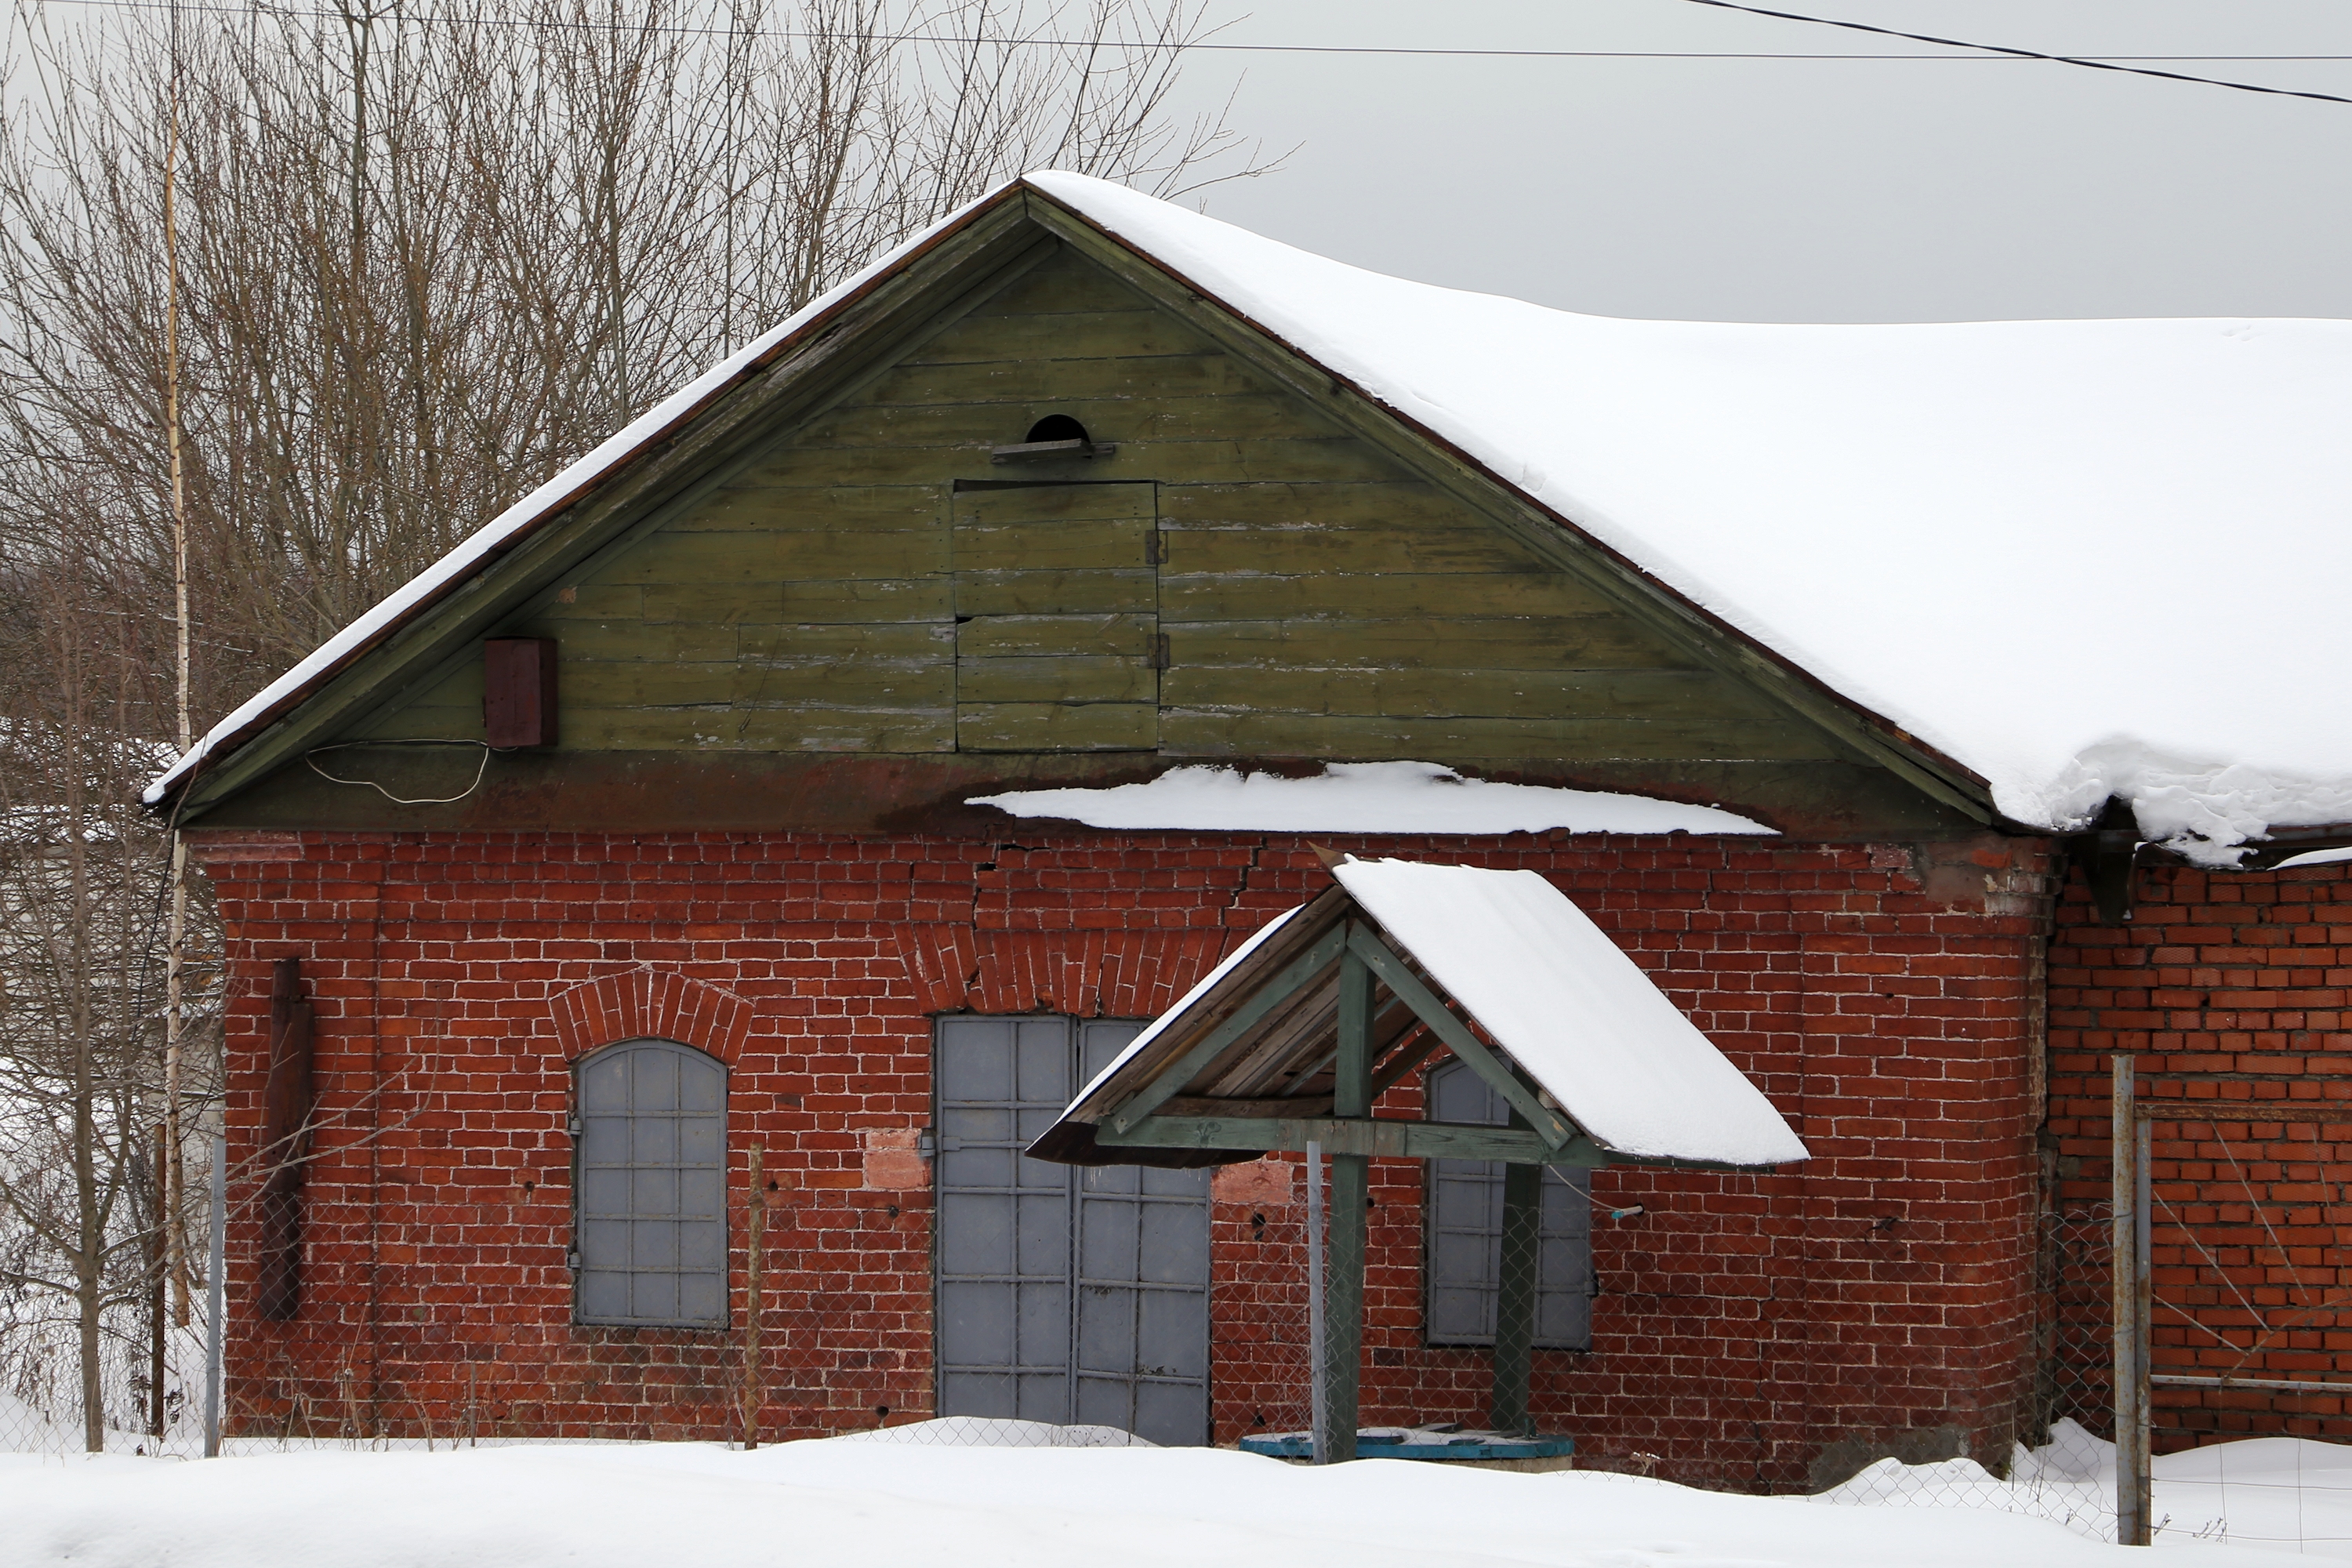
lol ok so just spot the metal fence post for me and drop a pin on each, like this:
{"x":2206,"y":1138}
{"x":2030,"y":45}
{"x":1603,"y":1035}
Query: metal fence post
{"x":1319,"y":1405}
{"x":2143,"y":1305}
{"x":2129,"y":1277}
{"x":216,"y":1295}
{"x":755,"y":1228}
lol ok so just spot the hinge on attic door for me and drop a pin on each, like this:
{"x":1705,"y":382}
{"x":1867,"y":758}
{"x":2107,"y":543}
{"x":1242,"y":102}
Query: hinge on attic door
{"x":1160,"y":651}
{"x":1155,"y":548}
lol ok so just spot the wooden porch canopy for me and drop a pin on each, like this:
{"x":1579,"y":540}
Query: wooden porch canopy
{"x":1297,"y":1034}
{"x":1293,"y":1038}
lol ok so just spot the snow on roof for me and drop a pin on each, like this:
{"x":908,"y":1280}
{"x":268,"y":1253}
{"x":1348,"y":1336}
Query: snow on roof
{"x":1362,"y":797}
{"x":1574,"y":1011}
{"x":2081,"y":558}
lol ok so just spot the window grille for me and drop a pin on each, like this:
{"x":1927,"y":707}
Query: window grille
{"x":650,"y":1187}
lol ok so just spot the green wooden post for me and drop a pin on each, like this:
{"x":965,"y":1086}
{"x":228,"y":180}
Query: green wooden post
{"x":1343,"y":1317}
{"x":1515,"y":1298}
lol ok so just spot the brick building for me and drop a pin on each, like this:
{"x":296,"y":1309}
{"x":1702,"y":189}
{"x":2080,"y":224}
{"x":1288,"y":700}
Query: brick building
{"x":675,"y":769}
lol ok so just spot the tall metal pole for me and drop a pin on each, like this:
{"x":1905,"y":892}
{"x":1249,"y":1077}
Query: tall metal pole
{"x":216,"y":1297}
{"x":1351,"y":1183}
{"x":2143,"y":1258}
{"x":1319,"y":1417}
{"x":2128,"y":1270}
{"x":756,"y":1228}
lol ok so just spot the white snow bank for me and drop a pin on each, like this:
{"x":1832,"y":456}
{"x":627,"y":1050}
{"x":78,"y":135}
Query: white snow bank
{"x":2315,"y":857}
{"x":2270,"y":1492}
{"x":890,"y":1504}
{"x":2080,"y":557}
{"x":1361,"y":797}
{"x":999,"y":1432}
{"x":1574,"y":1011}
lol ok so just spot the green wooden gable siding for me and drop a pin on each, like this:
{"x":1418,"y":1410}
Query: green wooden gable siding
{"x":871,"y":583}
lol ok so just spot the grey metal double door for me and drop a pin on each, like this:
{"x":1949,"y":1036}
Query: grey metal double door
{"x":1068,"y":1294}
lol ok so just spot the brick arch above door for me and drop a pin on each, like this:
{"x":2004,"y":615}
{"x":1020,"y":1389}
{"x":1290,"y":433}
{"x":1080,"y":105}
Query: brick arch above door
{"x":646,"y":1002}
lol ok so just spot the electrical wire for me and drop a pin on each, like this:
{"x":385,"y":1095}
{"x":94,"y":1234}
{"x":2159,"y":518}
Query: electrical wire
{"x":1993,"y":54}
{"x":310,"y":759}
{"x":2110,"y":64}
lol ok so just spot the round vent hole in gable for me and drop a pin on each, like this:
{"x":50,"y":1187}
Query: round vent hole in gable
{"x":1056,"y":427}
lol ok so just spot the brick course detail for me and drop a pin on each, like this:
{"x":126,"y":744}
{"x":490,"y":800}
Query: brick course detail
{"x":1886,"y":997}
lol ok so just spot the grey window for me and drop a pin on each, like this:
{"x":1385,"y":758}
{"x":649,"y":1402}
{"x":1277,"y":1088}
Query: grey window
{"x":651,"y":1186}
{"x":1065,"y":1294}
{"x":1464,"y":1234}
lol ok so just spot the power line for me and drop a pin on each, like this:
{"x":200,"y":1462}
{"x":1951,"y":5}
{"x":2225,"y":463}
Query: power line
{"x":1994,"y":54}
{"x":2109,"y":63}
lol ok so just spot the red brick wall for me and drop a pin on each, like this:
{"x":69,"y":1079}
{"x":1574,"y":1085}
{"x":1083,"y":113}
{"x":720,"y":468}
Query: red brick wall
{"x":1767,"y":1329}
{"x":2226,"y":987}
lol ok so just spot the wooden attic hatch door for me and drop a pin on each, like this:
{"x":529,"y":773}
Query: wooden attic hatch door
{"x":1057,"y":617}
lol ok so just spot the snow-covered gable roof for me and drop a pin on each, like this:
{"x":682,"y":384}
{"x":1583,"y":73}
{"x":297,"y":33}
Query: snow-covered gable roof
{"x":2078,"y":558}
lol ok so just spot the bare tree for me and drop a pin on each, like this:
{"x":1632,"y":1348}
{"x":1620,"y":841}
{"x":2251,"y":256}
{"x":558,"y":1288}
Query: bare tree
{"x":429,"y":259}
{"x":81,"y":869}
{"x":293,"y":299}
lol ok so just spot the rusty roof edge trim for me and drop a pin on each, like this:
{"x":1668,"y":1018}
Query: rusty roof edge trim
{"x":1870,"y":718}
{"x":211,"y":754}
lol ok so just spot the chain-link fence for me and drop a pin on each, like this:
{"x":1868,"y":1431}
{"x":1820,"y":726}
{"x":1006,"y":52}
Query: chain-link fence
{"x":2249,"y":1321}
{"x":1663,"y":1318}
{"x":1667,"y":1334}
{"x":124,"y":1342}
{"x":1679,"y":1325}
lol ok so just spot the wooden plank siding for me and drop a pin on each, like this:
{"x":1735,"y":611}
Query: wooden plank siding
{"x":1057,"y":617}
{"x":837,"y":592}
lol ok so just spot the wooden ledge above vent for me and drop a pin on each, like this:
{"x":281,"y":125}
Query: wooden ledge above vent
{"x":1036,"y":451}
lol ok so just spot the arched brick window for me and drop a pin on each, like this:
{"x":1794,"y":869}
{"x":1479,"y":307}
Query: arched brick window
{"x":650,"y":1187}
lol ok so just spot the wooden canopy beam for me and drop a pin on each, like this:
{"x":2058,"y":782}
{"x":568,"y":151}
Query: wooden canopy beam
{"x":1373,"y":1137}
{"x":1556,"y":1130}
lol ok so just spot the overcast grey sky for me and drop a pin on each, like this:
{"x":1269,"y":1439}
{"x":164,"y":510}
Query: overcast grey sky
{"x":1808,"y":190}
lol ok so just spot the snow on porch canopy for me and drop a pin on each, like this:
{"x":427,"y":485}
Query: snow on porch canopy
{"x":1608,"y":1070}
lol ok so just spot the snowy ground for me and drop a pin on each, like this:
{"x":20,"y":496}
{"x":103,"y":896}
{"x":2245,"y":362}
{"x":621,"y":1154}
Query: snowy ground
{"x":892,"y":1502}
{"x":2281,"y":1493}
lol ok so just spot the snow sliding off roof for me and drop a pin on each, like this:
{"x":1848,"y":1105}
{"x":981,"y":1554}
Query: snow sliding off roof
{"x":1609,"y":1070}
{"x":1972,"y":529}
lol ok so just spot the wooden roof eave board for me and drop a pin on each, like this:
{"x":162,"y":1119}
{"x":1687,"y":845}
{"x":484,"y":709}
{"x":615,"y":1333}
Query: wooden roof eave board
{"x":1174,"y":1035}
{"x":795,"y":380}
{"x":1555,"y":538}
